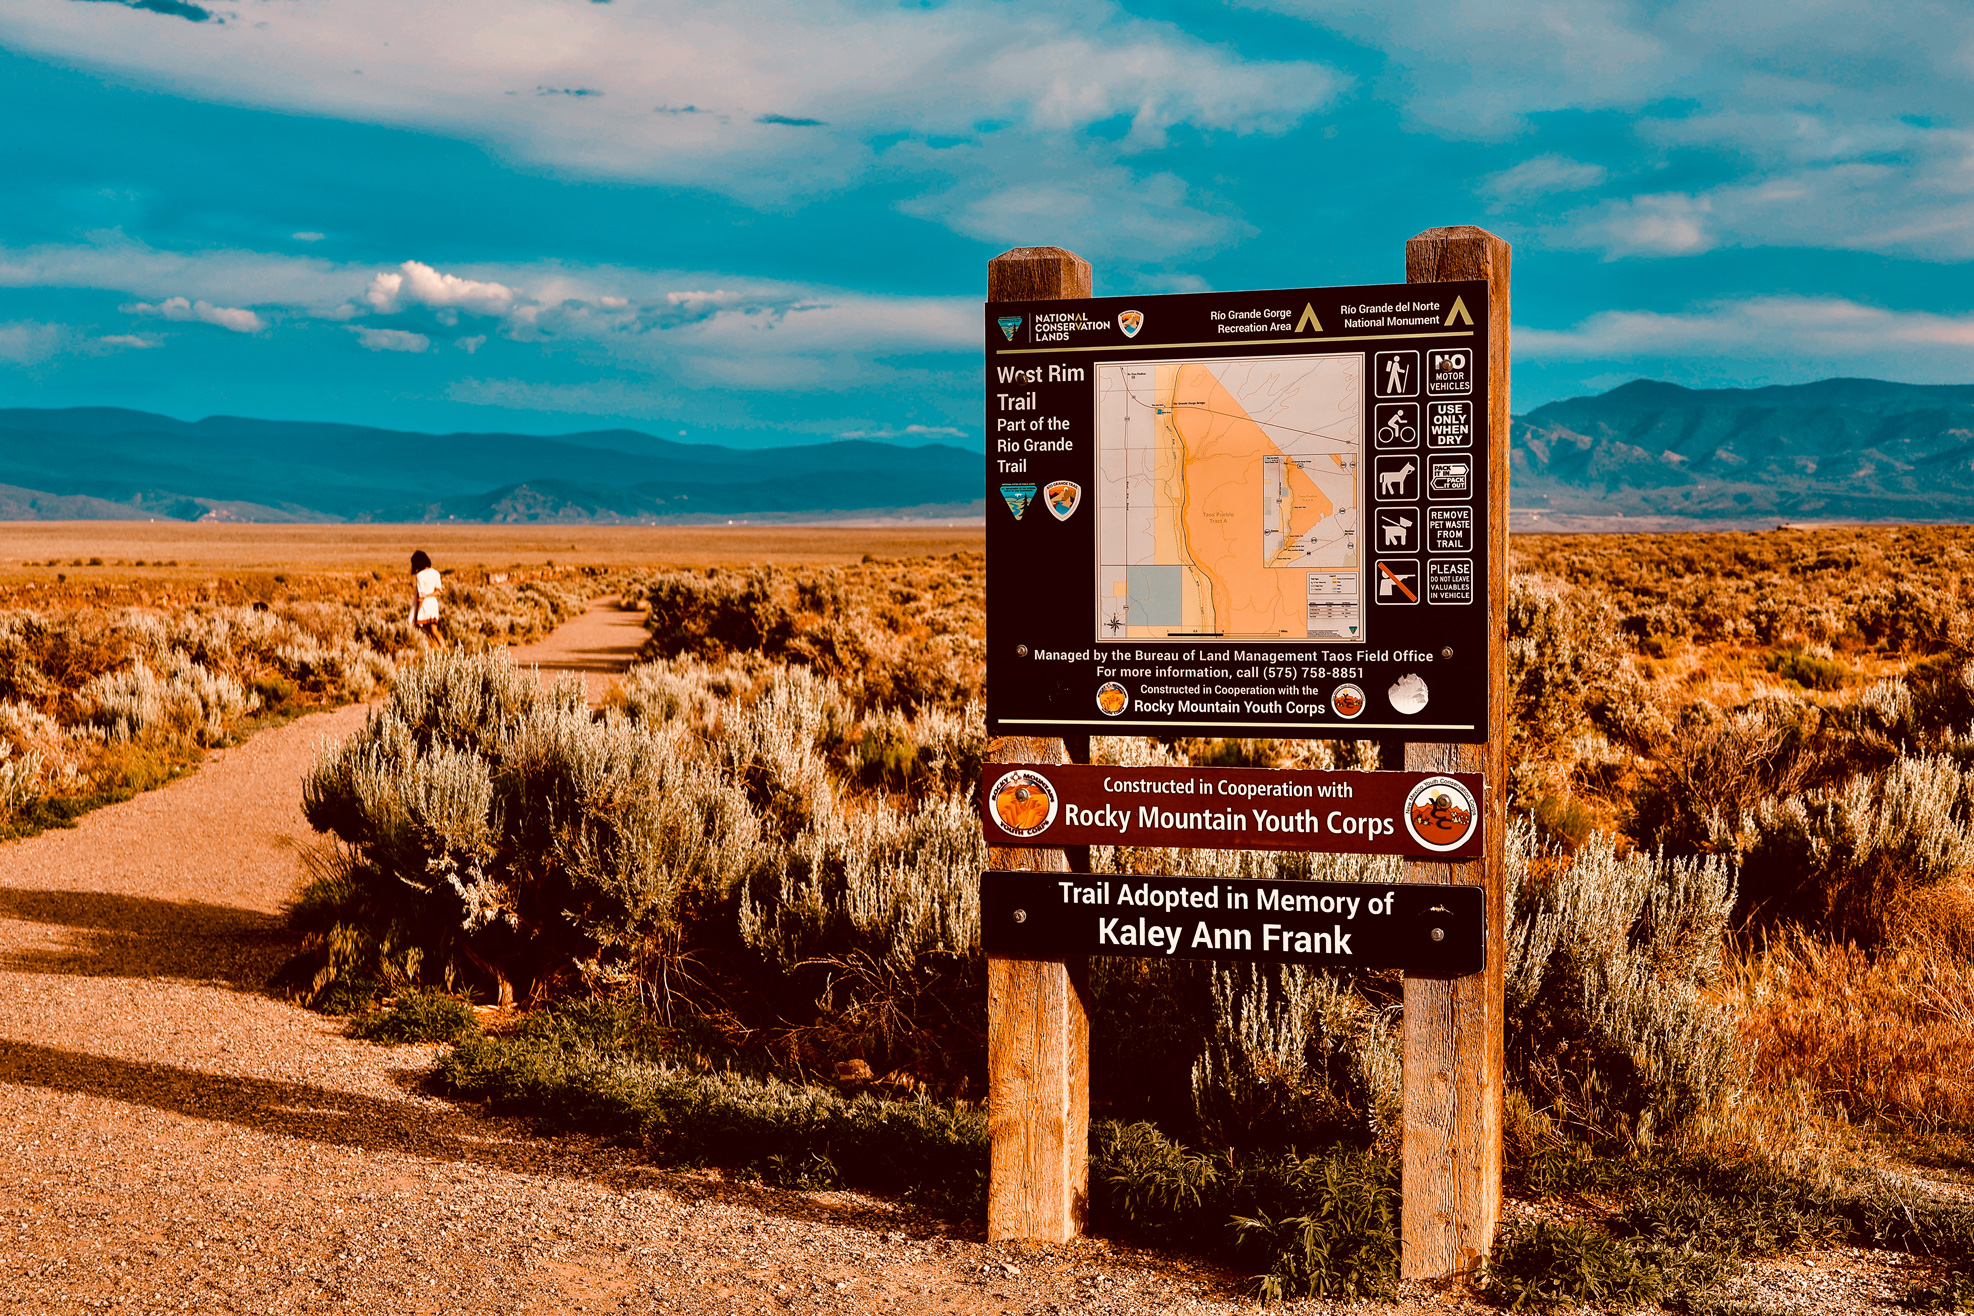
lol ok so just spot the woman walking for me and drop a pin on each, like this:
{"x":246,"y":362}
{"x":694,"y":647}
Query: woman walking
{"x":425,"y":584}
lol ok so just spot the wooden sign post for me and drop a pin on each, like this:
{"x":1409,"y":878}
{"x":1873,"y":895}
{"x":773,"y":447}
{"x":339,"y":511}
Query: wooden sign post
{"x":1335,"y":565}
{"x":1453,"y":1061}
{"x":1038,"y":1026}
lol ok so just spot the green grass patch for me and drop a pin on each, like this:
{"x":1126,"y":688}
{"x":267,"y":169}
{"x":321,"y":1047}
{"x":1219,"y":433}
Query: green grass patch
{"x":418,"y":1016}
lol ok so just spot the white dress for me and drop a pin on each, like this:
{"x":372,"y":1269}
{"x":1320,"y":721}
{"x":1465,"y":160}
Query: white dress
{"x":428,"y":585}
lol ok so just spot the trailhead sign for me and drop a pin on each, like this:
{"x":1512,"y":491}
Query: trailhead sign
{"x":1219,"y":513}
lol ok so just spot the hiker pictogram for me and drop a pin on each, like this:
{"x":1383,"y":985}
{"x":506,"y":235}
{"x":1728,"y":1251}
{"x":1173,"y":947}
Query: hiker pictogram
{"x":1395,"y":374}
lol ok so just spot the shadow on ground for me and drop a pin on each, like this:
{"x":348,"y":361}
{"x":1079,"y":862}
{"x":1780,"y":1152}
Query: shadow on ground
{"x":118,"y":936}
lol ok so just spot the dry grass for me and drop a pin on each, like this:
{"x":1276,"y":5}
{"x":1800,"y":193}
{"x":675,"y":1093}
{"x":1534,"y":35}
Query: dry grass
{"x":1886,"y":1037}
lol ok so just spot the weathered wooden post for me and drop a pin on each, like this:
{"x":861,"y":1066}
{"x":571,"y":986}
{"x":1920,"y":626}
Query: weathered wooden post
{"x":1038,"y":1031}
{"x":1453,"y":1026}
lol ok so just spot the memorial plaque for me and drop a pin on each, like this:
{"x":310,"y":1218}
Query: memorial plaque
{"x":1425,"y":815}
{"x":1421,"y":928}
{"x":1215,"y":513}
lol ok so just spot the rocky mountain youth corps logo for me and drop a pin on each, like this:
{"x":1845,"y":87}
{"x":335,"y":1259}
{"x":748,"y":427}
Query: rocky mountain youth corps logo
{"x":1023,"y":802}
{"x":1440,"y":814}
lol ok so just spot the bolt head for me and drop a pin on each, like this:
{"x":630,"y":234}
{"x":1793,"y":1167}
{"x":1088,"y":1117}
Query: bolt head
{"x":1447,"y":652}
{"x":1021,"y":651}
{"x":1439,"y":934}
{"x":1021,"y":916}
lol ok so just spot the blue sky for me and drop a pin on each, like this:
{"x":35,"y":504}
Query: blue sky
{"x":767,"y":222}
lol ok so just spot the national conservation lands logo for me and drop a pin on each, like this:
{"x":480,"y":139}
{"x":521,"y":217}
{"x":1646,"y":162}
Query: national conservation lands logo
{"x":1018,"y":496}
{"x":1113,"y":698}
{"x":1130,"y":322}
{"x":1023,"y":802}
{"x":1062,"y":498}
{"x":1440,"y":814}
{"x":1010,"y":325}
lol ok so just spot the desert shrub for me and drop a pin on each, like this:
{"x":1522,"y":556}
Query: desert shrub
{"x":1837,"y":860}
{"x":904,"y":634}
{"x":1715,"y":768}
{"x":1294,"y":1059}
{"x":1612,"y":961}
{"x":418,"y":1016}
{"x":187,"y":700}
{"x":1807,"y":668}
{"x":501,"y":829}
{"x":1562,"y":647}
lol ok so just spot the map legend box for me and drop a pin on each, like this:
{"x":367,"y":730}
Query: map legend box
{"x":1449,"y":529}
{"x":1449,"y":424}
{"x":1450,"y":580}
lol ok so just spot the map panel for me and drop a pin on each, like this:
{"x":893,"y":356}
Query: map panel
{"x":1228,"y":499}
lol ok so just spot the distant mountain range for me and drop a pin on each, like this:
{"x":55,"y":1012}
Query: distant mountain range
{"x":1838,"y":450}
{"x":1647,"y":454}
{"x":100,"y":463}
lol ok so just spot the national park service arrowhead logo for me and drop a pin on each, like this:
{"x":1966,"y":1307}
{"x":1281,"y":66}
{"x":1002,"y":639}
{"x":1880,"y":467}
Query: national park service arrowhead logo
{"x":1440,"y":814}
{"x":1018,"y":496}
{"x":1062,"y":497}
{"x":1130,"y":322}
{"x":1023,"y":802}
{"x":1010,"y":325}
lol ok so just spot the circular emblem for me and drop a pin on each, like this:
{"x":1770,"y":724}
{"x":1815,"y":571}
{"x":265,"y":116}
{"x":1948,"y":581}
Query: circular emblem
{"x":1023,"y":802}
{"x":1113,"y":698}
{"x":1347,"y":700}
{"x":1408,"y":693}
{"x":1440,"y":814}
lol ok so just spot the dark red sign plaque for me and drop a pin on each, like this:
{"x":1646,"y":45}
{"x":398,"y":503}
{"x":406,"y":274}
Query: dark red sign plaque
{"x":1423,"y":815}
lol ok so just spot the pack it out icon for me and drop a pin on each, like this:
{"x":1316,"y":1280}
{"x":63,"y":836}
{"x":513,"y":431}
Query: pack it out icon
{"x":1023,"y":802}
{"x":1113,"y":698}
{"x":1440,"y":814}
{"x":1130,"y":322}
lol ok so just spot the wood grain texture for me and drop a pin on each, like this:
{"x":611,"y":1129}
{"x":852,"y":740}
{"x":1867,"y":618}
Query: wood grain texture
{"x":1454,"y":1066}
{"x":1038,"y":1026}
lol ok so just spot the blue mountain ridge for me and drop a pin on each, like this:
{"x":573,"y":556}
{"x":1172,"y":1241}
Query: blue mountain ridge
{"x":73,"y":462}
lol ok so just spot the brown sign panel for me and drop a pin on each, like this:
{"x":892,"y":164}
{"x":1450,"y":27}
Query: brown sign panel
{"x":1422,"y":928}
{"x":1407,"y":813}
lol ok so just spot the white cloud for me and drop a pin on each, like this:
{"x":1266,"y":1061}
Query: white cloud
{"x":885,"y":432}
{"x":238,"y":319}
{"x":470,"y":344}
{"x":1827,"y":123}
{"x":390,"y":340}
{"x":415,"y":283}
{"x":1910,"y":345}
{"x":762,"y":99}
{"x":139,"y":341}
{"x":308,"y":236}
{"x":29,"y":342}
{"x":1544,"y":175}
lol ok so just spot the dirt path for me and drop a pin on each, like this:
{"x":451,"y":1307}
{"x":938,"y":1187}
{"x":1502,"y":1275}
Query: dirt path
{"x":599,"y":646}
{"x":172,"y":1139}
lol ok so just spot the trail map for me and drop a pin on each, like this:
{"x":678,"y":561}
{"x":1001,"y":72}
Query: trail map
{"x":1227,"y":499}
